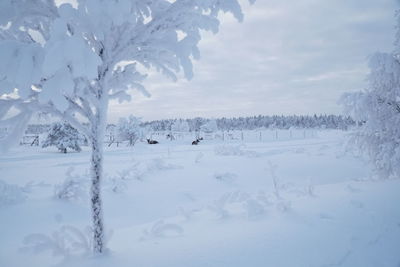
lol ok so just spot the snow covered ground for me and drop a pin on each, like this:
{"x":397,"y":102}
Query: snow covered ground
{"x":303,"y":202}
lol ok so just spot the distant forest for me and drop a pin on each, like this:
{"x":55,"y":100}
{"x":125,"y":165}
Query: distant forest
{"x":257,"y":122}
{"x":241,"y":123}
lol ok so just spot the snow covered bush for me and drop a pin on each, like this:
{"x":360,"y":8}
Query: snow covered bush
{"x":377,"y":108}
{"x":11,"y":194}
{"x":63,"y":136}
{"x":129,"y":130}
{"x":118,"y":184}
{"x":138,"y":170}
{"x":238,"y":203}
{"x":160,"y":229}
{"x":66,"y":242}
{"x":72,"y":61}
{"x":73,"y":188}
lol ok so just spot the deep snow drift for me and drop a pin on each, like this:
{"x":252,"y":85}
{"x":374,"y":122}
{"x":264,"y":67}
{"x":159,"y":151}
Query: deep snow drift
{"x":303,"y":202}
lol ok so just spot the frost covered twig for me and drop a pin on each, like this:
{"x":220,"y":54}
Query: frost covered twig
{"x":68,"y":241}
{"x":74,"y":187}
{"x":272,"y":169}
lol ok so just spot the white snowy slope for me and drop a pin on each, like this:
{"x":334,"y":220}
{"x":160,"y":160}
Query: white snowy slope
{"x":293,"y":203}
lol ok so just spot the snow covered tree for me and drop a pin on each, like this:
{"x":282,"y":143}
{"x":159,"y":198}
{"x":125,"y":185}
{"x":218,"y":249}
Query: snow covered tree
{"x":180,"y":126}
{"x":377,"y":107}
{"x":210,"y":126}
{"x":71,"y":61}
{"x":63,"y":136}
{"x":129,"y":130}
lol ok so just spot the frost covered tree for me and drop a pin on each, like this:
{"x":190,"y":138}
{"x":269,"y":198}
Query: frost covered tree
{"x":72,"y":61}
{"x":180,"y":126}
{"x":256,"y":122}
{"x":63,"y":136}
{"x":377,"y":107}
{"x":129,"y":129}
{"x":210,"y":126}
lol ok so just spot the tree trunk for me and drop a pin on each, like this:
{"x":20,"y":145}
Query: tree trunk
{"x":97,"y":175}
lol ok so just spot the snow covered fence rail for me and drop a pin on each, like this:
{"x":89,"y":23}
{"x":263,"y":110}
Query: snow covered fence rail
{"x":263,"y":135}
{"x":269,"y":135}
{"x":32,"y":140}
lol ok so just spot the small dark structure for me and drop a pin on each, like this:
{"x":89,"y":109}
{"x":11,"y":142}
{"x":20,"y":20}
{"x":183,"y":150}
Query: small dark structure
{"x":151,"y":142}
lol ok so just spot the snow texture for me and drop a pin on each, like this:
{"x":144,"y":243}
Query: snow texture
{"x":219,"y":211}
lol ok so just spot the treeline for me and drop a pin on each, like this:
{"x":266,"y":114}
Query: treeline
{"x":256,"y":122}
{"x":240,"y":123}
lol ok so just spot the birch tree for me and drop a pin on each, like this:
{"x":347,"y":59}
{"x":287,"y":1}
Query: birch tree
{"x":129,"y":129}
{"x":377,"y":108}
{"x":71,"y":61}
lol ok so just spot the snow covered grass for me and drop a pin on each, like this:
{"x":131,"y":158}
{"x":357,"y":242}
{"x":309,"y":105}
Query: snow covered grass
{"x":279,"y":203}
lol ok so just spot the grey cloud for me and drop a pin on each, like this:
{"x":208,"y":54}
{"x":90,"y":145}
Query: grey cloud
{"x":286,"y":57}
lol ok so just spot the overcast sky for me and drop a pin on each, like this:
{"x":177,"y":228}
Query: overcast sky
{"x":287,"y":57}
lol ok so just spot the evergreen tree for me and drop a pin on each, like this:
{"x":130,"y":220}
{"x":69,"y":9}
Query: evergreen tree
{"x":63,"y":136}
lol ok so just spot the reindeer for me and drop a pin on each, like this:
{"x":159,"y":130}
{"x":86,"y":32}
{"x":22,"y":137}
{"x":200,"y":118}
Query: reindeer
{"x":196,"y":142}
{"x":152,"y":142}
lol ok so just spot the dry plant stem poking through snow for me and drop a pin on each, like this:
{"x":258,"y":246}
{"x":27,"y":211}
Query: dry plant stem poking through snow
{"x":272,"y":169}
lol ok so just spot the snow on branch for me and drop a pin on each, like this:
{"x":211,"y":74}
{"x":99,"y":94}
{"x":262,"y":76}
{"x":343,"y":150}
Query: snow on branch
{"x":64,"y":60}
{"x":378,"y":109}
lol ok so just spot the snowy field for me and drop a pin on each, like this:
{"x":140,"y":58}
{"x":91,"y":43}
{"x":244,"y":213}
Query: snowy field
{"x":304,"y":202}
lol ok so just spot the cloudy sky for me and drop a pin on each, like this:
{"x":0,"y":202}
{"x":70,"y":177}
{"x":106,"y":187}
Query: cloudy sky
{"x":287,"y":57}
